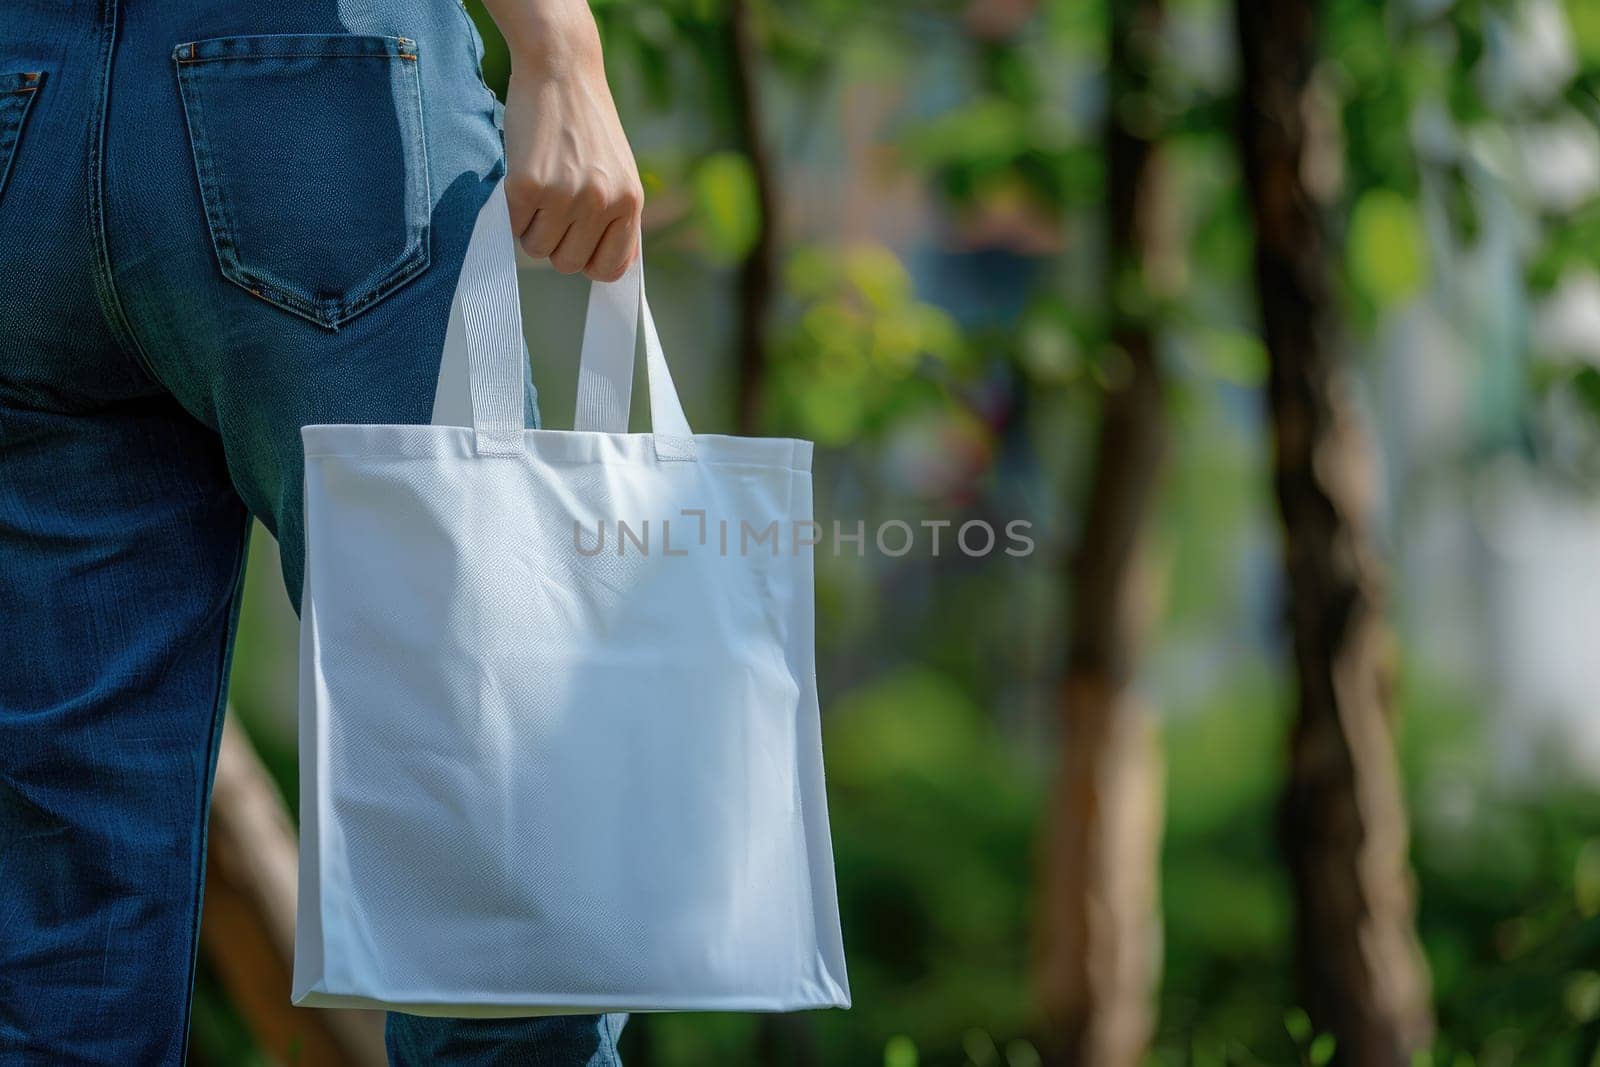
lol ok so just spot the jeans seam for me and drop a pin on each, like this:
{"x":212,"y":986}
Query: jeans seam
{"x":393,"y":47}
{"x":105,"y":285}
{"x":297,"y":55}
{"x":213,"y":741}
{"x":613,"y":1034}
{"x":194,"y":120}
{"x":475,"y":41}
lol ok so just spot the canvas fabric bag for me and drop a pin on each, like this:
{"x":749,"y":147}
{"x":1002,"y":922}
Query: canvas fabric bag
{"x":538,"y":778}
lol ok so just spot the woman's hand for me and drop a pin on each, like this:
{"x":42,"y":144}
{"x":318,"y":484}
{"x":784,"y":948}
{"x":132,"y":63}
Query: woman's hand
{"x":571,"y":182}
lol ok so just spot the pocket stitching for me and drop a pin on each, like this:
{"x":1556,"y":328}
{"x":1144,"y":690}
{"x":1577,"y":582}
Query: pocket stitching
{"x":28,"y":83}
{"x":282,"y":46}
{"x":220,"y":225}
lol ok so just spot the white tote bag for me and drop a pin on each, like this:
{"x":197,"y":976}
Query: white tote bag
{"x":539,"y":776}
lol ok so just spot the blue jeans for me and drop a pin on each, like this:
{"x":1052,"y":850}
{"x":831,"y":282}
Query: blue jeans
{"x":209,"y":237}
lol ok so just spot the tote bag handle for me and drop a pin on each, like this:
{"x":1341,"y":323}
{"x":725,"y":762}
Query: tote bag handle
{"x":492,"y":331}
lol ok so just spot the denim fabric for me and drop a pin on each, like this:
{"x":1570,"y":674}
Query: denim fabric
{"x":219,"y":221}
{"x":417,"y":1042}
{"x":16,"y":96}
{"x":261,"y":238}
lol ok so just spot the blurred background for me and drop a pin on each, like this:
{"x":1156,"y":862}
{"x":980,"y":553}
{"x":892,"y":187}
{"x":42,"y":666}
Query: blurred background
{"x":1280,"y":323}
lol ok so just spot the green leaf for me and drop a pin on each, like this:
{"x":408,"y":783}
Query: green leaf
{"x":1584,"y":17}
{"x":1019,"y":1053}
{"x":1582,"y":996}
{"x":1233,"y":356}
{"x":1586,"y":384}
{"x":1298,"y":1023}
{"x":726,"y":205}
{"x":1586,"y":870}
{"x":913,"y":724}
{"x":990,"y":129}
{"x":979,"y":1046}
{"x":899,"y":1051}
{"x":1321,"y":1051}
{"x":1388,"y":248}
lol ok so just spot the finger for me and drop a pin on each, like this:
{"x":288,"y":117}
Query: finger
{"x":577,"y":247}
{"x":546,"y":232}
{"x":522,"y":201}
{"x":616,"y":250}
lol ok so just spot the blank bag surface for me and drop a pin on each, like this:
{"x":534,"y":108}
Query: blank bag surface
{"x":559,"y":735}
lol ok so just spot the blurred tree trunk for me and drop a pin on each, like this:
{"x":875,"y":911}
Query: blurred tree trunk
{"x":1100,"y":926}
{"x":759,"y":267}
{"x":247,"y":927}
{"x":1343,"y":820}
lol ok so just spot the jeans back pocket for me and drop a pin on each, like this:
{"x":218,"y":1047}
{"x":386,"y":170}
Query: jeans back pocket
{"x":16,"y":97}
{"x":312,"y":163}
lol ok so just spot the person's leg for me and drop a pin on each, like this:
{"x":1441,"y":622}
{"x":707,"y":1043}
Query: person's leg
{"x":121,"y":548}
{"x":558,"y":1041}
{"x":314,"y":167}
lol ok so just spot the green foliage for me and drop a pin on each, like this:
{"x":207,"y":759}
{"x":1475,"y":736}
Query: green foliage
{"x":899,"y":1051}
{"x":1585,"y":19}
{"x":994,"y":148}
{"x":1573,"y":245}
{"x":726,"y":206}
{"x":1387,"y":249}
{"x":1233,"y":356}
{"x":862,"y":351}
{"x":940,"y":813}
